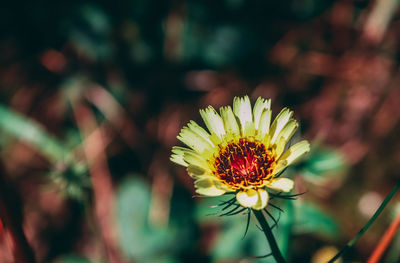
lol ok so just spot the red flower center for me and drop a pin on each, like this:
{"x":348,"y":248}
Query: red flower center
{"x":244,"y":163}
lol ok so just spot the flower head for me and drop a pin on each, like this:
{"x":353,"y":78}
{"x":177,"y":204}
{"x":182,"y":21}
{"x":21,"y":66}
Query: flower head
{"x":242,"y":152}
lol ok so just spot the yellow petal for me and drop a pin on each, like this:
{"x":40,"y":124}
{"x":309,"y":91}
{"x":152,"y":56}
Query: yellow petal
{"x":208,"y":187}
{"x":247,"y":198}
{"x":282,"y":164}
{"x":296,"y":151}
{"x":253,"y":198}
{"x":280,"y":122}
{"x":264,"y":124}
{"x":281,"y":184}
{"x":196,"y":171}
{"x":249,"y":129}
{"x":194,"y":141}
{"x":266,"y":140}
{"x":177,"y":155}
{"x":230,"y":123}
{"x":280,"y":146}
{"x":242,"y":109}
{"x":288,"y":131}
{"x":213,"y":121}
{"x":259,"y":107}
{"x":192,"y":158}
{"x":200,"y":131}
{"x":262,"y":201}
{"x":178,"y":159}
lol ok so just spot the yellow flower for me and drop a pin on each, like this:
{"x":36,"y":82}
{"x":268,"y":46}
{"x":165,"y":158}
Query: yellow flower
{"x":243,"y":153}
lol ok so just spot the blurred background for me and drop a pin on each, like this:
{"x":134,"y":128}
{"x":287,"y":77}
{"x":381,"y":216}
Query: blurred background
{"x":94,"y":93}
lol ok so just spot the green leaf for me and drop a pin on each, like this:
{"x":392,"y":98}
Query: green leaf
{"x":323,"y":161}
{"x":229,"y":244}
{"x":310,"y":219}
{"x":32,"y":133}
{"x":69,"y":175}
{"x":140,"y":240}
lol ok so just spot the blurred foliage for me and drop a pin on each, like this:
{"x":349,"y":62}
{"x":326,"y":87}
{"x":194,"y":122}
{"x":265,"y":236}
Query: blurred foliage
{"x":321,"y":162}
{"x":146,"y":242}
{"x":311,"y":219}
{"x":93,"y":95}
{"x":74,"y":259}
{"x":30,"y":132}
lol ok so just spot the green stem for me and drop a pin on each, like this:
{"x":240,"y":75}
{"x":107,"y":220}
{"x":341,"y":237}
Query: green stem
{"x":286,"y":225}
{"x":369,"y":223}
{"x":276,"y":253}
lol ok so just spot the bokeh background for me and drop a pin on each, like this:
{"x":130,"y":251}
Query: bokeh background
{"x":94,"y":93}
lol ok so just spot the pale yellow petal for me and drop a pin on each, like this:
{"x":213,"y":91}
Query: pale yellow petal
{"x":213,"y":121}
{"x":260,"y":106}
{"x":208,"y":187}
{"x":281,"y":184}
{"x":295,"y":152}
{"x":186,"y":156}
{"x":279,"y":147}
{"x":289,"y":129}
{"x":242,"y":109}
{"x":249,"y":129}
{"x":230,"y":122}
{"x":284,"y":136}
{"x":264,"y":123}
{"x":266,"y":140}
{"x":178,"y":159}
{"x":282,"y":164}
{"x":247,"y":198}
{"x":262,"y":201}
{"x":195,"y":159}
{"x":177,"y":156}
{"x":211,"y":191}
{"x":194,"y":141}
{"x":196,"y":171}
{"x":279,"y":123}
{"x":200,"y":131}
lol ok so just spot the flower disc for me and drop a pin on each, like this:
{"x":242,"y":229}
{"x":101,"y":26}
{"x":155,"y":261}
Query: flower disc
{"x":243,"y":164}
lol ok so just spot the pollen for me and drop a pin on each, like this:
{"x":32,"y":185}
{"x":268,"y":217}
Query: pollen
{"x":244,"y":163}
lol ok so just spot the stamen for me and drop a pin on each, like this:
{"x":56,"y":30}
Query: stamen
{"x":244,"y":163}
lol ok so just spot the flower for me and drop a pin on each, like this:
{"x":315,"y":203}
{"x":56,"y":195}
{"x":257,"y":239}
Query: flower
{"x":243,"y":153}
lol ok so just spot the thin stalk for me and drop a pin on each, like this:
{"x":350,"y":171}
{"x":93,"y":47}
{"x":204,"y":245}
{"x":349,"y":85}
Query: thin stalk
{"x":276,"y":253}
{"x":369,"y":223}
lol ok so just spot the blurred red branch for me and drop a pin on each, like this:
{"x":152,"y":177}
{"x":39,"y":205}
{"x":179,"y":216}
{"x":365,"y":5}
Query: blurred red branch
{"x":114,"y":112}
{"x":100,"y":177}
{"x":385,"y":241}
{"x":13,"y":223}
